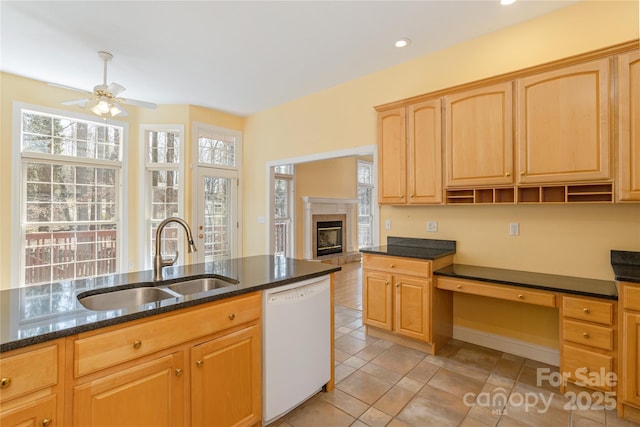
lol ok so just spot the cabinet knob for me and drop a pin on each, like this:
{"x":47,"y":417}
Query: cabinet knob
{"x":507,"y":174}
{"x":520,"y":296}
{"x":232,"y":316}
{"x":200,"y":235}
{"x":586,"y":335}
{"x":397,"y":285}
{"x":199,"y":363}
{"x":586,"y":310}
{"x":392,"y":266}
{"x":386,"y":283}
{"x":46,"y":422}
{"x":137,"y":344}
{"x":179,"y":372}
{"x":522,"y":173}
{"x":412,"y":196}
{"x":458,"y":286}
{"x":5,"y":382}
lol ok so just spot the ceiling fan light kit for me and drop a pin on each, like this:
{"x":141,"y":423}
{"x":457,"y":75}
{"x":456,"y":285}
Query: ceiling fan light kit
{"x":104,"y":100}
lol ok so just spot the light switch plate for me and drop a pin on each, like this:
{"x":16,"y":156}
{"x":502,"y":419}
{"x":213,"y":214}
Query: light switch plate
{"x":514,"y":229}
{"x":432,"y":226}
{"x":387,"y":224}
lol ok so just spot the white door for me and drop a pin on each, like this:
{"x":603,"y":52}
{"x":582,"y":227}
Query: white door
{"x":216,"y":216}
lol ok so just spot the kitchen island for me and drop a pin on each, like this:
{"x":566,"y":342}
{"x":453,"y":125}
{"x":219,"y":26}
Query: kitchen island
{"x":194,"y":359}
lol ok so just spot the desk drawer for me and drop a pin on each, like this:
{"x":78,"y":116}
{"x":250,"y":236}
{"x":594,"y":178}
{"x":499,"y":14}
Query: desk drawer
{"x":587,"y":366}
{"x":588,"y":334}
{"x":111,"y":348}
{"x":398,"y":265}
{"x":511,"y":293}
{"x":588,"y":309}
{"x":27,"y":372}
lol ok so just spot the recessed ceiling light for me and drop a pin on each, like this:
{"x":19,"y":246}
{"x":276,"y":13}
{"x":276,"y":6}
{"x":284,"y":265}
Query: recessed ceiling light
{"x":507,"y":2}
{"x":402,"y":43}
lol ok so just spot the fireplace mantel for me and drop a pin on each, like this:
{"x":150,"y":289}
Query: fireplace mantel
{"x":328,"y":206}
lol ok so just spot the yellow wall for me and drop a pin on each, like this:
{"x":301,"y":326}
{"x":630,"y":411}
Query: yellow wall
{"x":334,"y":178}
{"x":570,"y":240}
{"x":19,"y":89}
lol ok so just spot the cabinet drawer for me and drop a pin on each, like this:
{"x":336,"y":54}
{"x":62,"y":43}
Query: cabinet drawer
{"x":27,"y":372}
{"x":397,"y":265}
{"x":631,"y":297}
{"x":588,"y":334}
{"x":588,"y":309}
{"x":511,"y":293}
{"x":100,"y":351}
{"x":587,"y":366}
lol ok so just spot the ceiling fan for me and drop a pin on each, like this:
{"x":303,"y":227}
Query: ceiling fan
{"x":104,"y":100}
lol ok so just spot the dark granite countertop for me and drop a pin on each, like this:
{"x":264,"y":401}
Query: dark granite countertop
{"x":548,"y":282}
{"x":40,"y":313}
{"x":626,"y":266}
{"x":408,"y":247}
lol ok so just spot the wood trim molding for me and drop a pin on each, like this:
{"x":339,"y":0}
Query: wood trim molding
{"x":575,"y":59}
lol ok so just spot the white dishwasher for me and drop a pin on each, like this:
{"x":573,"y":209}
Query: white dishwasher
{"x":297,"y":344}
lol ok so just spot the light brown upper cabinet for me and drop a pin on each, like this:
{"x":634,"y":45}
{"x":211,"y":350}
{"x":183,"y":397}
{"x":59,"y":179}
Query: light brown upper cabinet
{"x":563,"y":125}
{"x":629,"y":126}
{"x":392,"y":156}
{"x":479,"y":137}
{"x":410,"y":154}
{"x":424,"y":137}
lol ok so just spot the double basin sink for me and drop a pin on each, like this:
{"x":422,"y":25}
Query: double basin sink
{"x":145,"y":293}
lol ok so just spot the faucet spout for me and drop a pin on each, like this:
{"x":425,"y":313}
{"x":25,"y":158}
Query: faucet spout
{"x":158,"y":261}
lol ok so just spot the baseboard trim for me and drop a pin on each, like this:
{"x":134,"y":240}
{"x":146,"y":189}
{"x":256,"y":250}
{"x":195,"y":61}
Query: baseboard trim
{"x":540,"y":353}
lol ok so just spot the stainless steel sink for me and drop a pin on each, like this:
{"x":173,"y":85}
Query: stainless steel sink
{"x":124,"y":298}
{"x":193,"y":286}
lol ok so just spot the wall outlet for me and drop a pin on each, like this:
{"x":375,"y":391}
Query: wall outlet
{"x":432,"y":226}
{"x":514,"y":229}
{"x":387,"y":224}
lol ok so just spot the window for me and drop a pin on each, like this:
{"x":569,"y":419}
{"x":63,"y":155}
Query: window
{"x":164,"y":183}
{"x":283,"y":210}
{"x":71,"y":174}
{"x":365,"y":204}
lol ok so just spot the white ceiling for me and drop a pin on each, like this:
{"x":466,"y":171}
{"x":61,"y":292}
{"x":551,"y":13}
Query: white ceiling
{"x":239,"y":57}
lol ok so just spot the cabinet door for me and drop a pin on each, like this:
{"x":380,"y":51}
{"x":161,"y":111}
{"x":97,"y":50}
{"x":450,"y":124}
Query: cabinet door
{"x":392,"y":157}
{"x":425,"y":152}
{"x":39,"y":413}
{"x":412,"y":307}
{"x":563,"y":124}
{"x":478,"y":136}
{"x":630,"y":376}
{"x":151,"y":394}
{"x":376,"y":299}
{"x":226,"y":381}
{"x":629,"y":126}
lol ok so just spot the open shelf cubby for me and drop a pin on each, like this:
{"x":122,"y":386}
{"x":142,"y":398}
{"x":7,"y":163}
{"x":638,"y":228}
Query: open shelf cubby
{"x":553,"y":193}
{"x":481,"y":196}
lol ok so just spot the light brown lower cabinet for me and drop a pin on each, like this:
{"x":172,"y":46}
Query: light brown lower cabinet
{"x":629,"y":385}
{"x":398,"y":297}
{"x":194,"y":367}
{"x":147,"y":394}
{"x":32,"y":386}
{"x":227,"y":369}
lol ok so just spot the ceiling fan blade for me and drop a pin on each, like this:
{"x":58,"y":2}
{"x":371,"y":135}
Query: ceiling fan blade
{"x":80,"y":102}
{"x":70,"y":88}
{"x":143,"y":104}
{"x":115,"y":89}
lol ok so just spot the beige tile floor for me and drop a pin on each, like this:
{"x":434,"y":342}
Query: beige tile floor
{"x":379,"y":383}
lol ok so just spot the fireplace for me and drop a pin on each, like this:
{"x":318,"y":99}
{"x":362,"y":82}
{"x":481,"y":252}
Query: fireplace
{"x":330,"y":228}
{"x":328,"y":237}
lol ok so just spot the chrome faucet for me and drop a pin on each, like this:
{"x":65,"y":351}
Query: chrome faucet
{"x":158,"y":262}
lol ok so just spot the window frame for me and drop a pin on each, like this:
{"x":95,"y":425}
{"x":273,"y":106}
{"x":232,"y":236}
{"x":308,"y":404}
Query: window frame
{"x":290,"y":178}
{"x":18,"y":196}
{"x":372,"y":203}
{"x":145,"y":250}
